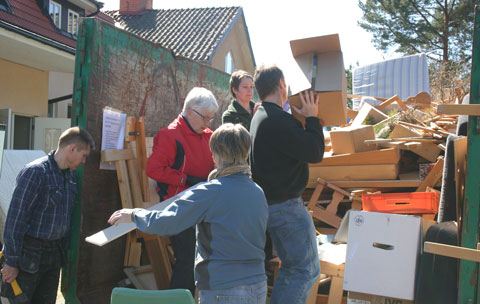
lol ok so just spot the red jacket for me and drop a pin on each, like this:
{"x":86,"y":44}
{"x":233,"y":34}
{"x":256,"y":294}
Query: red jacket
{"x":177,"y":152}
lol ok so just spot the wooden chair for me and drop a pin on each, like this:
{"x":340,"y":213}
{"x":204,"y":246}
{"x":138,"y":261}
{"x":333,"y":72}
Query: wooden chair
{"x":327,"y":215}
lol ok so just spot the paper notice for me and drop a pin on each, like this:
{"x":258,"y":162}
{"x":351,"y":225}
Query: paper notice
{"x":113,"y":133}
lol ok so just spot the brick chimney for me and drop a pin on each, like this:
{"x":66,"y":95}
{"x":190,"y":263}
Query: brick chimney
{"x":134,"y":6}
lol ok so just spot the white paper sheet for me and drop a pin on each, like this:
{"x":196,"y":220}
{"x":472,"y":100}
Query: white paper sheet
{"x":113,"y":133}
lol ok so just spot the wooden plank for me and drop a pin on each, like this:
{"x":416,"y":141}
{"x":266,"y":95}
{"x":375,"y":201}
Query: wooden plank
{"x":111,"y":233}
{"x":460,"y":147}
{"x":124,"y":184}
{"x":114,"y":155}
{"x":134,"y":254}
{"x":405,"y":139}
{"x":162,"y":268}
{"x":452,"y":251}
{"x":368,"y":111}
{"x":372,"y":183}
{"x":142,"y":157}
{"x":130,"y":128}
{"x":141,"y":277}
{"x":460,"y":109}
{"x":424,"y":128}
{"x":357,"y":172}
{"x":378,"y":157}
{"x":433,"y":177}
{"x":387,"y":102}
{"x":360,"y":96}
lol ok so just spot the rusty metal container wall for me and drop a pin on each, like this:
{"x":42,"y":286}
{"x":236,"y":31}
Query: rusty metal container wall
{"x":123,"y":70}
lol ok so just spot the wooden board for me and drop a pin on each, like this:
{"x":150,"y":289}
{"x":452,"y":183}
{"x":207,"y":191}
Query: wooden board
{"x":414,"y":183}
{"x":433,"y":177}
{"x":142,"y":277}
{"x":357,"y":172}
{"x":452,"y":251}
{"x":111,"y":233}
{"x":461,"y":109}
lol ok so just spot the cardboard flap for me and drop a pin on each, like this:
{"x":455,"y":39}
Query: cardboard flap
{"x":320,"y":44}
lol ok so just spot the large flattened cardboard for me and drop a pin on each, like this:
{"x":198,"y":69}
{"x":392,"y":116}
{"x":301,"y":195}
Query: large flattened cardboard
{"x":382,"y":254}
{"x":330,"y":79}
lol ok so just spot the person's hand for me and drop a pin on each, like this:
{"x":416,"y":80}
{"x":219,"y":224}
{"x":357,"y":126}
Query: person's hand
{"x":309,"y":104}
{"x":121,"y":216}
{"x":9,"y":273}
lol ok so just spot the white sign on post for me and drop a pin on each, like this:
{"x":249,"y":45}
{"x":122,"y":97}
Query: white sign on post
{"x":113,"y":133}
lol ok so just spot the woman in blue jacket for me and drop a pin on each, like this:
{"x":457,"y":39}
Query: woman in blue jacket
{"x":230,"y":212}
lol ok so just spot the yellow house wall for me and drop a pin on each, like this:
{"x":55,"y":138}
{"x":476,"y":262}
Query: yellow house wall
{"x":237,"y":43}
{"x":23,"y":89}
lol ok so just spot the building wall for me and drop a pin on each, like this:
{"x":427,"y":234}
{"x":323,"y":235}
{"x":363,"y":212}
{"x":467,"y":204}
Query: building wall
{"x":60,"y":84}
{"x":23,"y":89}
{"x":237,"y":43}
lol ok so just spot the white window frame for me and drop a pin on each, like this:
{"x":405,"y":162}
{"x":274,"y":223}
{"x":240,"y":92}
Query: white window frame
{"x":229,"y":64}
{"x":72,"y":28}
{"x":55,"y":4}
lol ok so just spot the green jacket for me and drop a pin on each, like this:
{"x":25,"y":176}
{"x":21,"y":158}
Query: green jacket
{"x":235,"y":113}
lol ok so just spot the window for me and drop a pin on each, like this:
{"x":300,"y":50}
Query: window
{"x":5,"y":6}
{"x":55,"y":13}
{"x":72,"y":22}
{"x":229,"y":67}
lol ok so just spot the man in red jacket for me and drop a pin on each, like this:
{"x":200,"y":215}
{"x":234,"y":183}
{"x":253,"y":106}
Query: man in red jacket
{"x":181,"y":158}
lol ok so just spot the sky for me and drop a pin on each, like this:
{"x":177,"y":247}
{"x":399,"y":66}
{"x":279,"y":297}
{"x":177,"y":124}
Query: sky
{"x":272,"y":24}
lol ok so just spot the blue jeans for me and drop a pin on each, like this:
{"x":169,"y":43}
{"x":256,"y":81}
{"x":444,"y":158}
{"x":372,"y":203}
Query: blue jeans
{"x":293,"y":235}
{"x":245,"y":294}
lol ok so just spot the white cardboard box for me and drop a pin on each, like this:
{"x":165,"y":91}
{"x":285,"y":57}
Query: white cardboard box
{"x":382,"y":254}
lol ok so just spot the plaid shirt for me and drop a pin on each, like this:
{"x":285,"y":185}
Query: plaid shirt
{"x":41,"y":206}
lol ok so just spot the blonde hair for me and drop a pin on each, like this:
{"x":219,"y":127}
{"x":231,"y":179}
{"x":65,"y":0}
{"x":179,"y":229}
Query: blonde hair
{"x":230,"y":145}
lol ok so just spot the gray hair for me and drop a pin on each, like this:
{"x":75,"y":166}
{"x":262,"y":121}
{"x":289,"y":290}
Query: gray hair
{"x":230,"y":144}
{"x":200,"y":98}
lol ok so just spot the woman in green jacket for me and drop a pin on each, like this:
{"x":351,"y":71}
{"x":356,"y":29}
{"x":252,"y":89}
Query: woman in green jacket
{"x":242,"y":107}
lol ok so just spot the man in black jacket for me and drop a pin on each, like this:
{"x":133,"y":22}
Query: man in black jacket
{"x":281,"y":151}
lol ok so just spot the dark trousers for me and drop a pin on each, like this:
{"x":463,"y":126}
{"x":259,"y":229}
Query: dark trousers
{"x":39,"y":273}
{"x":184,"y":250}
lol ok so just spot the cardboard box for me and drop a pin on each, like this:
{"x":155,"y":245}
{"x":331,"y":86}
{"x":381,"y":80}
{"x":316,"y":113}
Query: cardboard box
{"x":351,"y":139}
{"x":362,"y":298}
{"x":367,"y":111}
{"x":382,"y":254}
{"x":320,"y":60}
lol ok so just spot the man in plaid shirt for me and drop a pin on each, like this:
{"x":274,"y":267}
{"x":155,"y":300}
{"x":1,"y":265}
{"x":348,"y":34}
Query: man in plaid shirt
{"x":39,"y":216}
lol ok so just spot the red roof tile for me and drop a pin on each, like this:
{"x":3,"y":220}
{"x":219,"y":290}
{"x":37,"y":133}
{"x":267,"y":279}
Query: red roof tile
{"x":193,"y":33}
{"x":27,"y":15}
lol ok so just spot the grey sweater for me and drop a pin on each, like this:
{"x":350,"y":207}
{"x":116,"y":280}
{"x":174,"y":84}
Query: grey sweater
{"x":231,"y":215}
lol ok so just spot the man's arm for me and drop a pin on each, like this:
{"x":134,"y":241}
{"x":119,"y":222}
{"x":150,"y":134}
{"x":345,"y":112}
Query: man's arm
{"x":26,"y":192}
{"x":303,"y":144}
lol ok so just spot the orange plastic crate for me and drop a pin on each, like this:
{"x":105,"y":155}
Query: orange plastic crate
{"x":412,"y":202}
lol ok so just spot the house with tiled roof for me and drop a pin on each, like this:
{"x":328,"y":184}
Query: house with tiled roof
{"x":37,"y":59}
{"x":217,"y":36}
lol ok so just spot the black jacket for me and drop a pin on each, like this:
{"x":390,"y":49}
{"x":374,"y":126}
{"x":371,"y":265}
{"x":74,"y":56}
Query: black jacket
{"x":281,"y":151}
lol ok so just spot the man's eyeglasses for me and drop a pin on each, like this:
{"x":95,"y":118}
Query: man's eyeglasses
{"x":205,"y":118}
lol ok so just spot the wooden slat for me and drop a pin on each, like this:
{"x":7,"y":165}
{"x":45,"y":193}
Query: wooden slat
{"x":357,"y":172}
{"x":378,"y":157}
{"x":387,"y":102}
{"x":452,"y":251}
{"x":142,"y":157}
{"x":460,"y":109}
{"x":114,"y":155}
{"x":372,"y":184}
{"x":424,"y":128}
{"x":433,"y":177}
{"x":124,"y":184}
{"x":360,"y":96}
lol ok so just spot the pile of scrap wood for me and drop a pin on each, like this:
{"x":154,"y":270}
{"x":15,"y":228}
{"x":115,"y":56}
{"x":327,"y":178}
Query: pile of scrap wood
{"x":371,"y":147}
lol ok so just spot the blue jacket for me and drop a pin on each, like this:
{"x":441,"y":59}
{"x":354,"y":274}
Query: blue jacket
{"x":231,"y":214}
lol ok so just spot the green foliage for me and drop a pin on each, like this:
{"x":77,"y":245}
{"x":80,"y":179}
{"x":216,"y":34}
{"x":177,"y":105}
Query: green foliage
{"x":369,"y":121}
{"x":441,"y":29}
